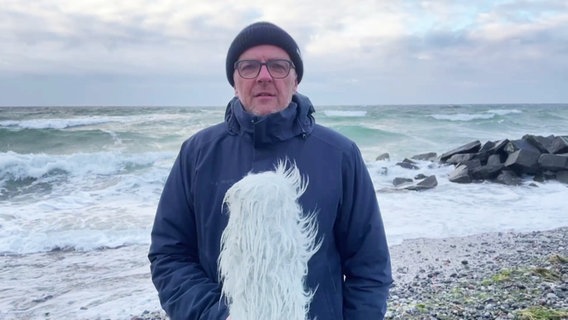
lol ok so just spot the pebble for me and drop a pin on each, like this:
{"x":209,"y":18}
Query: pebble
{"x":486,"y":276}
{"x":489,"y":284}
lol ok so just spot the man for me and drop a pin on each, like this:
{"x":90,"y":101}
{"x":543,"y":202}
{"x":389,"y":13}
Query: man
{"x":268,"y":121}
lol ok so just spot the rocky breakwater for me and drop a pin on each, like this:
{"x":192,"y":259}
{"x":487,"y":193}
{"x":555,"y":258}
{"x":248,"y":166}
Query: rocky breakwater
{"x":506,"y":161}
{"x":509,"y":161}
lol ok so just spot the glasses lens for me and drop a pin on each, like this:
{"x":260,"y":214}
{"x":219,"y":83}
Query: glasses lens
{"x":248,"y":68}
{"x":278,"y":68}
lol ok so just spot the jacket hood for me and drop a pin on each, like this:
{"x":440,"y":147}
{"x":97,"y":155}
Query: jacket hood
{"x":295,"y":120}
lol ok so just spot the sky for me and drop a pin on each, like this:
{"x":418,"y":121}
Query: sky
{"x":381,"y":52}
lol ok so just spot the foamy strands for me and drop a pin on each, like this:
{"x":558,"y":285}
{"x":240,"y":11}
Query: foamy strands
{"x":266,"y":247}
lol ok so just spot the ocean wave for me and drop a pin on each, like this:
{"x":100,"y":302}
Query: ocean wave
{"x":22,"y":174}
{"x":55,"y":123}
{"x":503,"y":112}
{"x":365,"y":136}
{"x":485,"y":115}
{"x":56,"y":140}
{"x":345,"y":113}
{"x":71,"y":240}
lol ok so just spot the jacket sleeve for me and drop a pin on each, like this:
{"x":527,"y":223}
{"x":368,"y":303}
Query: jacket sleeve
{"x":362,"y":245}
{"x":184,"y":289}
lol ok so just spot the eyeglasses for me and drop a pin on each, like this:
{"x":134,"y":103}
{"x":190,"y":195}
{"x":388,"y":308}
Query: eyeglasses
{"x":278,"y":68}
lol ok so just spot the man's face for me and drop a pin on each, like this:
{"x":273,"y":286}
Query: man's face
{"x":264,"y":94}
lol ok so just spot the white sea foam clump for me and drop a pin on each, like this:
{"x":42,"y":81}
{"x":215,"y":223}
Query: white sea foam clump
{"x":266,"y":247}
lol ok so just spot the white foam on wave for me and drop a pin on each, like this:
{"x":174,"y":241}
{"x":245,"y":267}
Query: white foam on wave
{"x":453,"y":209}
{"x":83,"y":121}
{"x":101,"y":200}
{"x":80,"y":221}
{"x":345,"y":113}
{"x":55,"y":123}
{"x":503,"y":112}
{"x":20,"y":166}
{"x":463,"y":116}
{"x":489,"y":114}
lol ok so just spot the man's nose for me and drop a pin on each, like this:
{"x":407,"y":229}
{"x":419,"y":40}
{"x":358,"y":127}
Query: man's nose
{"x":264,"y":74}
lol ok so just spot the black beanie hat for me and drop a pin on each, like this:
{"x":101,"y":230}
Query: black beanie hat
{"x":260,"y":33}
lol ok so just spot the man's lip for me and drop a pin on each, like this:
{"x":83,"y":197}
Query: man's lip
{"x":264,"y":94}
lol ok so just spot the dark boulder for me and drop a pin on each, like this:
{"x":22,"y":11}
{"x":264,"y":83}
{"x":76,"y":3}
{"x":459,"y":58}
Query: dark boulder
{"x":509,"y":177}
{"x":553,"y":162}
{"x":515,"y":145}
{"x":491,"y":148}
{"x":472,"y":147}
{"x":460,"y":158}
{"x":559,"y":145}
{"x":428,"y":183}
{"x":430,"y":156}
{"x":524,"y":160}
{"x":384,"y":156}
{"x":543,"y":144}
{"x":398,"y":181}
{"x":408,"y":164}
{"x":499,"y":146}
{"x":460,"y":174}
{"x":490,"y":170}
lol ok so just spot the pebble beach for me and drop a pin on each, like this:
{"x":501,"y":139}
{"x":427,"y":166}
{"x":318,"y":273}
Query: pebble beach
{"x":486,"y":276}
{"x":504,"y":275}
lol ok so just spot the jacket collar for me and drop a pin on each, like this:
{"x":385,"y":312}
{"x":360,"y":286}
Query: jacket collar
{"x":295,"y":120}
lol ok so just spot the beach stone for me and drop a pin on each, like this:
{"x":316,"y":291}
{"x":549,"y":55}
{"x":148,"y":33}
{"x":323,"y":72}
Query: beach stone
{"x":559,"y":145}
{"x":383,"y":156}
{"x":472,"y":147}
{"x":523,"y":160}
{"x":408,"y":164}
{"x":485,"y":151}
{"x":489,"y":171}
{"x":508,"y":177}
{"x":521,"y":144}
{"x":543,"y":144}
{"x":428,"y":183}
{"x":460,"y":174}
{"x":499,"y":146}
{"x":460,"y":158}
{"x":400,"y":181}
{"x":430,"y":156}
{"x":553,"y":162}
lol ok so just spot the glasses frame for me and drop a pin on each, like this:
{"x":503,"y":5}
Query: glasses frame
{"x":268,"y":63}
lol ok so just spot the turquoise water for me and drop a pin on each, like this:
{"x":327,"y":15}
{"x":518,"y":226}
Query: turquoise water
{"x":90,"y":177}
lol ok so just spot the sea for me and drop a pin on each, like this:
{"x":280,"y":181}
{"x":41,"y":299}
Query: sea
{"x":79,"y":188}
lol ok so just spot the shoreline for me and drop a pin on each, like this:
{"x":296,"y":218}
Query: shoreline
{"x":482,"y":276}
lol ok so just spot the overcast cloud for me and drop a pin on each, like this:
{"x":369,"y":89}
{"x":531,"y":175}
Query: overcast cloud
{"x":172,"y":52}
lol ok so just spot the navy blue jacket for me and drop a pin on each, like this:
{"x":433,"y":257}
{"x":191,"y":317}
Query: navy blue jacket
{"x":351,"y":270}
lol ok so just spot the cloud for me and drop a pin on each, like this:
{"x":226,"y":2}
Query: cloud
{"x":434,"y":49}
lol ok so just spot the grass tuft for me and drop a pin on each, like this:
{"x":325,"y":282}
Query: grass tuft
{"x":558,"y":259}
{"x":547,"y":274}
{"x":541,"y":313}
